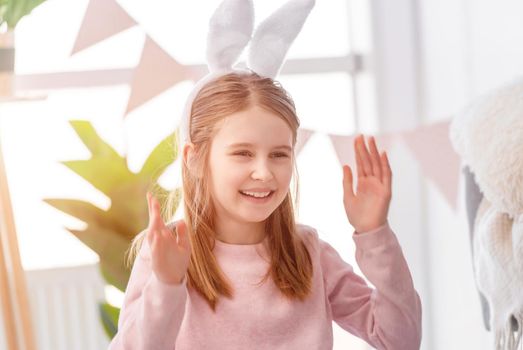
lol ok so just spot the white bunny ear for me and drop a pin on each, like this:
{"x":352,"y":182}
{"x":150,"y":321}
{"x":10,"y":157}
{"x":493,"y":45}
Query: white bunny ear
{"x":230,"y":29}
{"x":274,"y":36}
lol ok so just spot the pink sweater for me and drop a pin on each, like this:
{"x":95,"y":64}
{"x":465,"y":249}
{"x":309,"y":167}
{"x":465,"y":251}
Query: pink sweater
{"x":155,"y":315}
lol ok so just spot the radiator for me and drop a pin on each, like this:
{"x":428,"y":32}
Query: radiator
{"x":64,"y":307}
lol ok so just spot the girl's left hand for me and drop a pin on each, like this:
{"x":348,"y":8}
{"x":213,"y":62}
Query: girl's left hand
{"x":367,"y":209}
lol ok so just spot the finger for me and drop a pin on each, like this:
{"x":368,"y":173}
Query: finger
{"x":156,"y":217}
{"x":387,"y":172}
{"x":365,"y":157}
{"x":149,"y":209}
{"x":359,"y":164}
{"x":153,"y":243}
{"x":375,"y":159}
{"x":181,"y":231}
{"x":152,"y":230}
{"x":151,"y":214}
{"x":167,"y":233}
{"x":150,"y":236}
{"x":347,"y":181}
{"x":159,"y":217}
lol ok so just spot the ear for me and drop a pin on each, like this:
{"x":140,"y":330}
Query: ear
{"x":230,"y":29}
{"x":274,"y":36}
{"x":188,"y":157}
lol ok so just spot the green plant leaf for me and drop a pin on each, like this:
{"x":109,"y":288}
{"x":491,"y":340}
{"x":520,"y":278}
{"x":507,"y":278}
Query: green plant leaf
{"x":109,"y":232}
{"x":109,"y":315}
{"x":81,"y":210}
{"x":93,"y":141}
{"x":13,"y":10}
{"x":95,"y":171}
{"x":104,"y":160}
{"x":161,"y":157}
{"x":111,"y":247}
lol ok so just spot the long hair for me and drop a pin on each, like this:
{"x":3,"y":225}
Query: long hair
{"x":290,"y":265}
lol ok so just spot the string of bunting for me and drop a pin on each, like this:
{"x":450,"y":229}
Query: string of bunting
{"x":158,"y":71}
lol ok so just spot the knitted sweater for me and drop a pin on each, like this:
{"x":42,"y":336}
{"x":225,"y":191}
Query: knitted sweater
{"x":155,"y":315}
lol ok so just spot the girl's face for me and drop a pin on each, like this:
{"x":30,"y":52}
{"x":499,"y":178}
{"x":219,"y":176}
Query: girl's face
{"x":251,"y":153}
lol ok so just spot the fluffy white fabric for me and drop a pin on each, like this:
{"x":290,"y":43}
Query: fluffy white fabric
{"x":230,"y":30}
{"x":274,"y":36}
{"x":488,"y":135}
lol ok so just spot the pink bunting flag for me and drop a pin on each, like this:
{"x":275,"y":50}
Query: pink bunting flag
{"x":156,"y":72}
{"x":384,"y":142}
{"x":103,"y":19}
{"x":303,"y":136}
{"x":344,"y":146}
{"x":431,"y":146}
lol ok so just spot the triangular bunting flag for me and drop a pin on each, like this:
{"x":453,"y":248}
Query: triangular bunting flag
{"x":156,"y":72}
{"x":385,"y":141}
{"x":344,"y":146}
{"x":303,"y":137}
{"x":431,"y":146}
{"x":103,"y":19}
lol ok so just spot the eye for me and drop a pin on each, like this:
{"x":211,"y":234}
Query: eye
{"x":242,"y":153}
{"x":281,"y":155}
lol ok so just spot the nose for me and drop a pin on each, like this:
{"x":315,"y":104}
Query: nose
{"x":262,"y":171}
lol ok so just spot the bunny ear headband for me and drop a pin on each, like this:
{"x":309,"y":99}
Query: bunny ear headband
{"x":230,"y":30}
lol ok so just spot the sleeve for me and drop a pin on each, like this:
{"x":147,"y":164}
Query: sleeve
{"x":387,"y":317}
{"x":152,"y":311}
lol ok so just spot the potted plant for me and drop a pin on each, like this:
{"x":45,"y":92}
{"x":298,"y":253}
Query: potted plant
{"x":109,"y":233}
{"x":11,"y":12}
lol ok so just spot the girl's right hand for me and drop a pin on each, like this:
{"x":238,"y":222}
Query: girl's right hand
{"x":170,"y":252}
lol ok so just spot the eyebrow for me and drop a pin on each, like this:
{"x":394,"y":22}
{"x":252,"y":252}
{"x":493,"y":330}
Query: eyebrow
{"x":246,"y":144}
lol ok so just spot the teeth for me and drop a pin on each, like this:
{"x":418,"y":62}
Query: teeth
{"x":256,"y":194}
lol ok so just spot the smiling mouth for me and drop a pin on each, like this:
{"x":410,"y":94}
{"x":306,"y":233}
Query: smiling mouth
{"x":257,"y":198}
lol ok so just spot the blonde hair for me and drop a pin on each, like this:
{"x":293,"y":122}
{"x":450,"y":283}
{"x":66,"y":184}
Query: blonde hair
{"x":290,"y":265}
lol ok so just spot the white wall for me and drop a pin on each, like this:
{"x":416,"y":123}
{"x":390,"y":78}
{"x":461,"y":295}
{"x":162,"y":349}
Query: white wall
{"x":468,"y":48}
{"x":433,"y":57}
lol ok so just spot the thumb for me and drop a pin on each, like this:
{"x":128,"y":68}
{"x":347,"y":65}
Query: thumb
{"x":347,"y":181}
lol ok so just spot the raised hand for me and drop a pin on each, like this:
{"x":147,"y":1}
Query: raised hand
{"x":170,"y":252}
{"x":368,"y":208}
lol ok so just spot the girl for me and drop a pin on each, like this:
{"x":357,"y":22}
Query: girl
{"x":237,"y":272}
{"x":247,"y":276}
